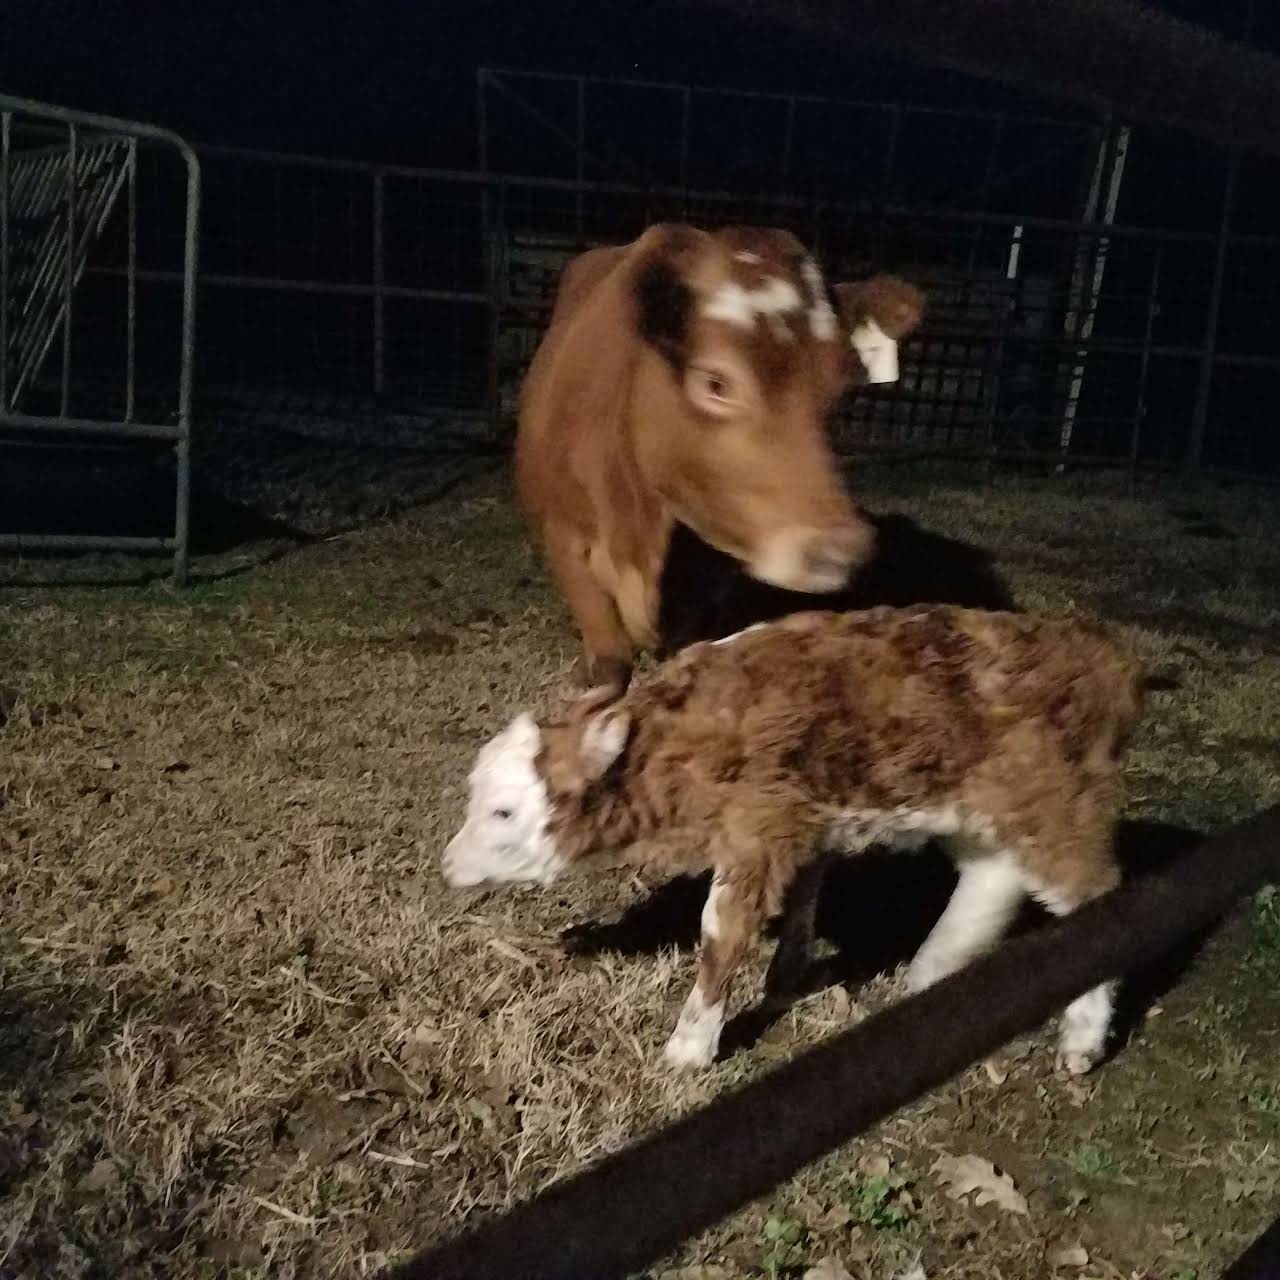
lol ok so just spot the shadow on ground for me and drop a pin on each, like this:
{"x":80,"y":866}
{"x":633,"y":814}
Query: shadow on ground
{"x":235,"y":525}
{"x":875,"y":911}
{"x":705,"y":594}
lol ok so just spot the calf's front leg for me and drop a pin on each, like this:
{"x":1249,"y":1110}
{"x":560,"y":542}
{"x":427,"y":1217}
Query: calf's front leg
{"x":731,"y":920}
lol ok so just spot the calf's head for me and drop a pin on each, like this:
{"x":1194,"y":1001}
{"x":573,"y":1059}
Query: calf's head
{"x":522,"y":790}
{"x":744,"y":352}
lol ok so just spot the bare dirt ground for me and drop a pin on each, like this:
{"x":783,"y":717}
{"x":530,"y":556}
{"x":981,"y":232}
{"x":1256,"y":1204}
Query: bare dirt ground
{"x":244,"y":1031}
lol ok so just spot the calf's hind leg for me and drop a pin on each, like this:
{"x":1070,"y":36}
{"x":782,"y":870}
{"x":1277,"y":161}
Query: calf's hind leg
{"x":731,"y":920}
{"x":794,"y":952}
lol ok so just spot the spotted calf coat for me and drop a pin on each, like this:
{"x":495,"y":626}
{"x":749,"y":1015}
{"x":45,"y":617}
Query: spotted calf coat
{"x":759,"y":755}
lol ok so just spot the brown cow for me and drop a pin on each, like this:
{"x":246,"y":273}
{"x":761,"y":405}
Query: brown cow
{"x":688,"y":377}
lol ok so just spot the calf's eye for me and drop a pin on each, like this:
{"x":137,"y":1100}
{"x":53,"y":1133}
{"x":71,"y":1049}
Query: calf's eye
{"x":503,"y":815}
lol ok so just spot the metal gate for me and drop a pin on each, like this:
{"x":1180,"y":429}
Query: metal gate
{"x":69,"y":207}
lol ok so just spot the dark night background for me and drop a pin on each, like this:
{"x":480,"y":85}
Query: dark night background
{"x":393,"y":81}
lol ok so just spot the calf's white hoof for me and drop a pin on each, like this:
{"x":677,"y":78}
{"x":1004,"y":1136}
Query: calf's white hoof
{"x":924,"y":971}
{"x":1075,"y":1062}
{"x":688,"y":1051}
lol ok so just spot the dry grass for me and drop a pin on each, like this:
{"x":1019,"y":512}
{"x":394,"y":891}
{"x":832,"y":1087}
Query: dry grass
{"x":244,"y":1031}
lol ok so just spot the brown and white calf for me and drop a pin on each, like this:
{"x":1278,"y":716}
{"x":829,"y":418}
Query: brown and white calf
{"x":760,"y":754}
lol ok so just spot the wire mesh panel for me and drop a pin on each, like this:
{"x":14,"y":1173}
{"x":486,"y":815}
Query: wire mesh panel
{"x":355,"y":294}
{"x":369,"y":302}
{"x":91,"y":354}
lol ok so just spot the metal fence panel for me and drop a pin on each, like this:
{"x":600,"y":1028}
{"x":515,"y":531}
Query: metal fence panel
{"x":85,"y":355}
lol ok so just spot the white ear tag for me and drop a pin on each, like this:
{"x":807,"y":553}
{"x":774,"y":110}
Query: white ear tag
{"x":877,"y":351}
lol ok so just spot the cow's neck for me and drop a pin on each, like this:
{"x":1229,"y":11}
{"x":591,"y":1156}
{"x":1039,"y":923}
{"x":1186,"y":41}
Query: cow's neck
{"x":636,"y":527}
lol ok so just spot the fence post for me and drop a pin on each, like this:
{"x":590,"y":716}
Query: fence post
{"x":69,"y":282}
{"x":579,"y":158}
{"x":379,"y":285}
{"x":1144,"y":368}
{"x":496,"y":247}
{"x":5,"y":124}
{"x":1209,"y":347}
{"x":186,"y":373}
{"x":131,"y":288}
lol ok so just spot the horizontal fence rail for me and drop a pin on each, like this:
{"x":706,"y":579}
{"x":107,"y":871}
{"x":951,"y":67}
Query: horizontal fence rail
{"x":68,"y":196}
{"x":637,"y":1206}
{"x":358,"y":294}
{"x":354,"y":304}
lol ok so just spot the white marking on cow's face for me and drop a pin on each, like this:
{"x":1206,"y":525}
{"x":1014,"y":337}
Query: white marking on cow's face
{"x":822,"y":316}
{"x":739,"y":307}
{"x":745,"y":255}
{"x":504,"y":839}
{"x":694,"y":1042}
{"x":877,"y":351}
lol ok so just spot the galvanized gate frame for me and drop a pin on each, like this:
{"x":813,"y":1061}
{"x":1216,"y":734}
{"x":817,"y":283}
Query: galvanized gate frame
{"x":83,"y":129}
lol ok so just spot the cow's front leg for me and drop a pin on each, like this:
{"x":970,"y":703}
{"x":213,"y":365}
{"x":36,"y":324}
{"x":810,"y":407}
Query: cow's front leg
{"x":731,"y":921}
{"x":607,"y":651}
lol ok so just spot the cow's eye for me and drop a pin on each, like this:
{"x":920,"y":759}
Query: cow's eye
{"x":717,"y":386}
{"x":502,"y":815}
{"x":712,"y":390}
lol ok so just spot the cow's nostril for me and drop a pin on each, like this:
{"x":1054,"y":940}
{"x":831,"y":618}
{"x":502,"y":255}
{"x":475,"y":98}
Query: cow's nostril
{"x":829,"y":557}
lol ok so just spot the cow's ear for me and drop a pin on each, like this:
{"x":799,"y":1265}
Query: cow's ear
{"x":666,"y":256}
{"x":663,"y":304}
{"x":878,"y":313}
{"x":896,"y":306}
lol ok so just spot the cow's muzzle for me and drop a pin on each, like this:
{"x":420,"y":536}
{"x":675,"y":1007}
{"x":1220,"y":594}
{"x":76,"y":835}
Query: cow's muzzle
{"x":812,"y":560}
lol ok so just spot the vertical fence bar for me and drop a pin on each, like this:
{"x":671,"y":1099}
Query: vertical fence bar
{"x":686,"y":111}
{"x":579,"y":145}
{"x":1222,"y":247}
{"x":886,"y":182}
{"x":379,"y":287}
{"x":1144,"y":366}
{"x":988,"y":181}
{"x":1209,"y":347}
{"x":190,"y":266}
{"x":131,"y":285}
{"x":788,"y":141}
{"x":496,"y":261}
{"x":73,"y":134}
{"x":1101,"y":244}
{"x":6,"y":127}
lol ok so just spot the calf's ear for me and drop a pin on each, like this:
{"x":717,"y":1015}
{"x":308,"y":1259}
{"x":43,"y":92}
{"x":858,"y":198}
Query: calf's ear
{"x":604,"y":737}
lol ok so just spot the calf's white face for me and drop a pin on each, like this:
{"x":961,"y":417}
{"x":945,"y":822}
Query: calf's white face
{"x":504,"y":839}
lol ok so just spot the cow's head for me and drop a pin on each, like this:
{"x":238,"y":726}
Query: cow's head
{"x":744,"y":352}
